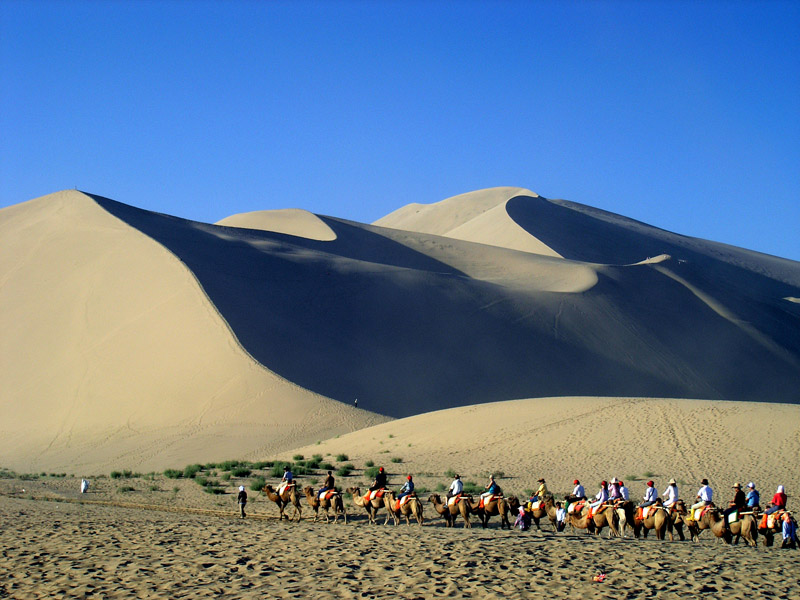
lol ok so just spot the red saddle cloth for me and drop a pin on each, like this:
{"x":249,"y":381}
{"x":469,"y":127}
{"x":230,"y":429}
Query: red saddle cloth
{"x":491,"y":498}
{"x":401,"y":502}
{"x":327,"y":495}
{"x":372,"y":494}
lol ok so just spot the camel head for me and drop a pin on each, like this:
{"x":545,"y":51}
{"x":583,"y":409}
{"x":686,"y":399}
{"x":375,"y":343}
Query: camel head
{"x":435,"y":499}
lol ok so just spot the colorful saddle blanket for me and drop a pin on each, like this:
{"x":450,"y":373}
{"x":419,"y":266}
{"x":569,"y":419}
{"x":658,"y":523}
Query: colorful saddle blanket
{"x":402,"y":502}
{"x":454,"y":500}
{"x":327,"y":494}
{"x":646,"y":512}
{"x":372,"y":494}
{"x":489,"y":499}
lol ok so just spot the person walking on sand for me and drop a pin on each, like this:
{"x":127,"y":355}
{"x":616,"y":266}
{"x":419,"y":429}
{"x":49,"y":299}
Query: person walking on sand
{"x":789,"y":531}
{"x":241,"y":500}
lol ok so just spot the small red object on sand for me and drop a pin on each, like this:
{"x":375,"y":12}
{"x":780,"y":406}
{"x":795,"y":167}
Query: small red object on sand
{"x":600,"y":577}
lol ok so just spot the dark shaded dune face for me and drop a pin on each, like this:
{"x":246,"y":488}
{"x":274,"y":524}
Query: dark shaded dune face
{"x":366,"y":317}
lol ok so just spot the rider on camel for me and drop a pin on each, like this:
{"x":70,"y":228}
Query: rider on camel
{"x":578,"y":493}
{"x":380,"y":480}
{"x":671,"y":495}
{"x":540,"y":493}
{"x":407,"y":489}
{"x":704,"y":495}
{"x":601,"y":497}
{"x":650,"y":495}
{"x":736,"y":505}
{"x":328,"y":485}
{"x":778,"y":501}
{"x":491,"y":489}
{"x":456,"y":487}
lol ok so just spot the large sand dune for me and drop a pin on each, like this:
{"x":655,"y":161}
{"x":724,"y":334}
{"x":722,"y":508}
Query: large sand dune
{"x":140,"y":337}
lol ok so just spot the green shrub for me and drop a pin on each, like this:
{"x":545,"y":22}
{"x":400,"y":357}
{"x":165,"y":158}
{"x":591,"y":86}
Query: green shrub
{"x":327,"y":466}
{"x":631,"y":478}
{"x":173,"y":474}
{"x":191,"y":471}
{"x":371,"y":472}
{"x":227,"y":465}
{"x":226,"y":477}
{"x":397,"y":459}
{"x":344,"y":471}
{"x":317,"y":457}
{"x":201,"y":480}
{"x":213,"y":490}
{"x":369,"y":463}
{"x":116,"y":475}
{"x":298,"y":457}
{"x":440,"y":487}
{"x":124,"y":489}
{"x":342,"y":458}
{"x":176,"y":489}
{"x":313,"y":463}
{"x":257,"y":484}
{"x":470,"y":487}
{"x":155,"y":488}
{"x":241,"y":472}
{"x":648,"y":474}
{"x":261,"y":465}
{"x":450,"y":473}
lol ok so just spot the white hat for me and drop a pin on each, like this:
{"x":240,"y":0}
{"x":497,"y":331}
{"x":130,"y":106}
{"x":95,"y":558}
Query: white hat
{"x":615,"y":480}
{"x":241,"y":488}
{"x":751,"y":485}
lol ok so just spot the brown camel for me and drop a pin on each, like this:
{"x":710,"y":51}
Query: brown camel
{"x":289,"y":495}
{"x":658,"y":520}
{"x":604,"y":515}
{"x":489,"y":509}
{"x":335,"y":502}
{"x":711,"y":520}
{"x":547,"y":508}
{"x":371,"y":507}
{"x":413,"y":506}
{"x":746,"y":527}
{"x":449,"y":513}
{"x":678,"y":514}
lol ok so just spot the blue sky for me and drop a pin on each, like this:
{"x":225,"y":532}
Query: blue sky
{"x":685,"y":115}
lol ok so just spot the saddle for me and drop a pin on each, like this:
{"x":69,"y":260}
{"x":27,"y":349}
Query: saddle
{"x":699,"y":512}
{"x":402,"y":501}
{"x":491,"y":498}
{"x":284,"y":486}
{"x":454,"y":500}
{"x":646,"y":512}
{"x":576,"y":506}
{"x":768,"y":521}
{"x":537,"y":505}
{"x":372,"y":494}
{"x":327,"y":494}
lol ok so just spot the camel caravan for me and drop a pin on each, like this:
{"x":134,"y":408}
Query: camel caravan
{"x":611,"y":508}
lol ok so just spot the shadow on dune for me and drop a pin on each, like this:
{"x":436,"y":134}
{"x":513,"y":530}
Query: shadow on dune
{"x":366,"y":317}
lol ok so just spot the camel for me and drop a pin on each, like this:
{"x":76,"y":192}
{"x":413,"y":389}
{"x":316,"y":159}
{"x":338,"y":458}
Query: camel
{"x":289,"y":495}
{"x":769,"y":533}
{"x":711,"y":520}
{"x":371,"y":507}
{"x":449,"y":513}
{"x":658,"y":520}
{"x":746,"y":527}
{"x":336,"y":503}
{"x":413,"y":506}
{"x":547,"y":508}
{"x":678,"y":516}
{"x":604,"y":515}
{"x":489,"y":509}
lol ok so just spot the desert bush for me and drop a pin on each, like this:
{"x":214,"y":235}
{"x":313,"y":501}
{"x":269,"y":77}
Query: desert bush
{"x":116,"y":475}
{"x":342,"y":457}
{"x":450,"y":473}
{"x":226,"y":477}
{"x":213,"y":490}
{"x":369,"y":463}
{"x":327,"y":466}
{"x":173,"y":474}
{"x":298,"y":457}
{"x":241,"y":472}
{"x":155,"y":488}
{"x":344,"y":471}
{"x":397,"y":459}
{"x":263,"y":464}
{"x":227,"y":465}
{"x":257,"y":484}
{"x":201,"y":480}
{"x":124,"y":489}
{"x":440,"y":487}
{"x":191,"y":471}
{"x":470,"y":487}
{"x":371,"y":472}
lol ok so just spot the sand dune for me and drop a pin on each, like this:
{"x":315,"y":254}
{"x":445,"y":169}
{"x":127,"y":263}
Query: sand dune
{"x":590,"y":439}
{"x":291,"y":221}
{"x":113,"y":355}
{"x":126,"y":329}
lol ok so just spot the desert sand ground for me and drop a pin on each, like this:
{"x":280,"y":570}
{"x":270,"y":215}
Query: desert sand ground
{"x":59,"y":548}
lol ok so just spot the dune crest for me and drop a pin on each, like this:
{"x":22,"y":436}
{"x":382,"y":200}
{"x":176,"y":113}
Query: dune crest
{"x":478,"y":216}
{"x":291,"y":221}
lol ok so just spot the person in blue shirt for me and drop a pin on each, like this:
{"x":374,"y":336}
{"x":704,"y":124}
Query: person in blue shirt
{"x":407,"y":489}
{"x":753,"y":497}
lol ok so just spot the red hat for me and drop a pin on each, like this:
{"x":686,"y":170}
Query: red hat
{"x":576,"y":482}
{"x":604,"y":482}
{"x":381,"y":469}
{"x":650,"y":483}
{"x":409,"y":477}
{"x":621,"y":482}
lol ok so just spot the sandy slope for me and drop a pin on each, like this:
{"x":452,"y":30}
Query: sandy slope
{"x":112,"y":354}
{"x":591,"y":439}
